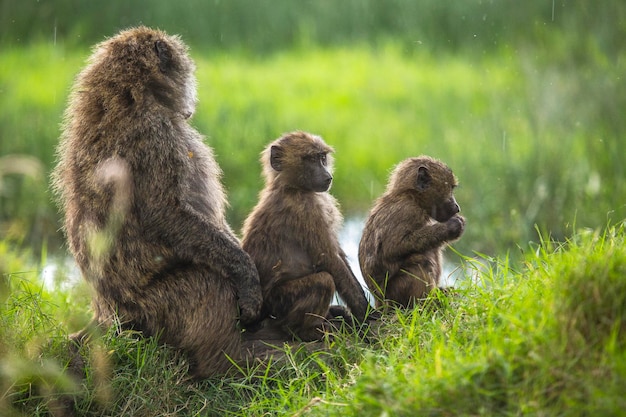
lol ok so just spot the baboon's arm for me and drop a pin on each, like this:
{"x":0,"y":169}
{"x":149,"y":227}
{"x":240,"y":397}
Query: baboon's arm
{"x":348,"y":286}
{"x":421,"y":240}
{"x":193,"y":236}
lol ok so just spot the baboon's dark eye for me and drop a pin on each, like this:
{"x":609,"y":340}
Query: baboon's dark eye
{"x":323,"y":158}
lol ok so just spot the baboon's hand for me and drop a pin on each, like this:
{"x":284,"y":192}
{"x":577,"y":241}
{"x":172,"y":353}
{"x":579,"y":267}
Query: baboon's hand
{"x":249,"y":316}
{"x":250,"y":302}
{"x":455,"y":226}
{"x":248,"y":286}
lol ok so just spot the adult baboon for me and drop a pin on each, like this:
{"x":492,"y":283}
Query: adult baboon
{"x":292,"y":236}
{"x":144,"y":205}
{"x":401,"y":247}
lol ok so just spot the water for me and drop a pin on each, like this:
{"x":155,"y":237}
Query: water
{"x":60,"y":273}
{"x":65,"y":273}
{"x":349,"y":239}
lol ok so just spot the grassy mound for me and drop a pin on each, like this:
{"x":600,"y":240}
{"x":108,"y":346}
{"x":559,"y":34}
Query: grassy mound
{"x":543,"y":337}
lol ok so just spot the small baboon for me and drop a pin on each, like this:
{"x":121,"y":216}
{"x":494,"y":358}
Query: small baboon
{"x":292,"y":237}
{"x":401,"y":248}
{"x":144,"y":204}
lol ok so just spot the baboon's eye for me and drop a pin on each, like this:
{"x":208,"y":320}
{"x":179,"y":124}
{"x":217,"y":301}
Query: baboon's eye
{"x":323,"y":158}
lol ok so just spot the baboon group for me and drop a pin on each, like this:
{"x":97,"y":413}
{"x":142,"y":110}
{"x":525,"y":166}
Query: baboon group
{"x":144,"y":216}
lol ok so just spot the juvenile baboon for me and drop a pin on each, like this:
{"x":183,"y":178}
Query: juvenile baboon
{"x":144,"y":205}
{"x":292,"y":237}
{"x":401,"y":246}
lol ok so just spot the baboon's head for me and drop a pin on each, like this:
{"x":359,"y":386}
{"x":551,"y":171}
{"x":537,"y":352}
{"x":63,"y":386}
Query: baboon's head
{"x":432,"y":183}
{"x":138,"y":67}
{"x":298,"y":160}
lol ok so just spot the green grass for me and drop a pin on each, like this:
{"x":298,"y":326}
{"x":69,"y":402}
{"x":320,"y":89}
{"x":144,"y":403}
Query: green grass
{"x":263,"y":26}
{"x":543,"y":336}
{"x":535,"y":139}
{"x":34,"y":86}
{"x":526,"y":110}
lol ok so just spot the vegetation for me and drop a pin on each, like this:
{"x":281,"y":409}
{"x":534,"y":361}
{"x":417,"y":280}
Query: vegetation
{"x":523,"y":104}
{"x":525,"y":109}
{"x":544,"y":339}
{"x":531,"y":144}
{"x":264,"y":26}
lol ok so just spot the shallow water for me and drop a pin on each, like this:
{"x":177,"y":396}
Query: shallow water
{"x":63,"y":272}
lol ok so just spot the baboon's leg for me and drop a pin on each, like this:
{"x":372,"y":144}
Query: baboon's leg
{"x":419,"y":274}
{"x":411,"y":285}
{"x":196,"y":311}
{"x":301,"y":305}
{"x":377,"y":289}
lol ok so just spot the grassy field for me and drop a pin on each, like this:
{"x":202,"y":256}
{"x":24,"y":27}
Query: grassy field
{"x":535,"y":135}
{"x":536,"y":143}
{"x":542,"y":337}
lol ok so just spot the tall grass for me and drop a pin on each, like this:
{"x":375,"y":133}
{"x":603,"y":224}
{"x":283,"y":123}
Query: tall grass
{"x":35,"y":85}
{"x":262,"y":26}
{"x":266,"y":25}
{"x":541,"y":337}
{"x":534,"y":142}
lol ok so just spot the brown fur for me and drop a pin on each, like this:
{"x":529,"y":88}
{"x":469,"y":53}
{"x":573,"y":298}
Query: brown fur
{"x":401,"y":247}
{"x":144,"y":205}
{"x":292,"y":236}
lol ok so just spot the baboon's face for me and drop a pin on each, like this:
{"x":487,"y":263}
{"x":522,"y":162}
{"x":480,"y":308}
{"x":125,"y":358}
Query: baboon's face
{"x":315,"y":173}
{"x":300,"y":161}
{"x":309,"y":171}
{"x":174,"y":64}
{"x":446,"y":209}
{"x":436,"y":184}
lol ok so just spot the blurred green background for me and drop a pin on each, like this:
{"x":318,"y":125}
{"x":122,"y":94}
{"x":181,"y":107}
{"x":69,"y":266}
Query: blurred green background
{"x":524,"y":100}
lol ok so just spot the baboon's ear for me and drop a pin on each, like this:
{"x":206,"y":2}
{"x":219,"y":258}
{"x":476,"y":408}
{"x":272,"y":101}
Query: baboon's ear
{"x":164,"y":54}
{"x":423,"y":178}
{"x":276,"y":157}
